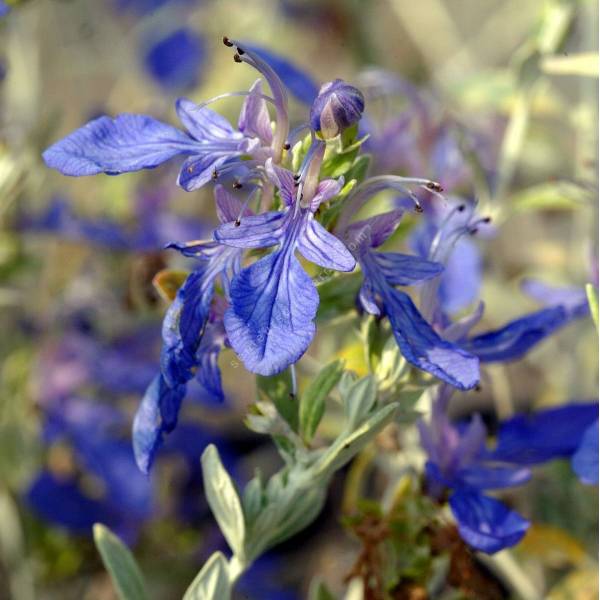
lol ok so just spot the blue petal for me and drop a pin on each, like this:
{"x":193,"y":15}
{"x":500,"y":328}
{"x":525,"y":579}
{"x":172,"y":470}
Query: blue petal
{"x":404,"y":269}
{"x":485,"y":523}
{"x":156,"y":416}
{"x":175,"y":61}
{"x":229,"y":208}
{"x":270,"y":321}
{"x":544,"y":435}
{"x":198,"y":170}
{"x":125,"y":143}
{"x":183,"y":327}
{"x":204,"y":124}
{"x":572,"y":299}
{"x":517,"y":337}
{"x":254,"y":120}
{"x":209,"y":374}
{"x":585,"y":460}
{"x":461,"y":281}
{"x":297,"y":81}
{"x":255,"y":231}
{"x":423,"y":347}
{"x":324,"y":249}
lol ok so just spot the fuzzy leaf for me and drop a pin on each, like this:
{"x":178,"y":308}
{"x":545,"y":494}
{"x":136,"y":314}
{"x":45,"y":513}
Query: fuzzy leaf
{"x":223,"y":500}
{"x":120,"y":563}
{"x":212,"y":582}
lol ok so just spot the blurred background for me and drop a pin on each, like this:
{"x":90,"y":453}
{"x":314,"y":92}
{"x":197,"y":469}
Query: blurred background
{"x":80,"y":319}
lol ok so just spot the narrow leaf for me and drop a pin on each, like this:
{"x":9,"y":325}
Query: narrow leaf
{"x":312,"y":403}
{"x":212,"y":582}
{"x":359,"y":400}
{"x":592,"y":296}
{"x":223,"y":500}
{"x":120,"y":563}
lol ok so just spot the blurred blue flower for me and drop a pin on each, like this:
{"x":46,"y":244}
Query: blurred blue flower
{"x":4,"y":10}
{"x":144,"y":7}
{"x":102,"y":482}
{"x":175,"y":61}
{"x":457,"y":461}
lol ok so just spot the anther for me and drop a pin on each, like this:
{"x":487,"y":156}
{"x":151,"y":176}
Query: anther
{"x":237,"y":58}
{"x":292,"y":396}
{"x":461,"y":207}
{"x":296,"y":176}
{"x":227,"y":42}
{"x":477,"y":387}
{"x":473,"y":231}
{"x":237,"y":223}
{"x":287,"y":146}
{"x":486,"y":220}
{"x":240,"y":50}
{"x":418,"y":208}
{"x":237,"y":185}
{"x":434,"y":186}
{"x":215,"y":175}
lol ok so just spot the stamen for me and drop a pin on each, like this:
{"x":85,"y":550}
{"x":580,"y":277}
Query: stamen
{"x":240,"y":50}
{"x":287,"y":146}
{"x":237,"y":185}
{"x":227,"y":42}
{"x":237,"y":58}
{"x":294,"y":382}
{"x":215,"y":175}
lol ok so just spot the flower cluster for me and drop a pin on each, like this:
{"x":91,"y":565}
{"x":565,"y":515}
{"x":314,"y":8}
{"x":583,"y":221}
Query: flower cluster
{"x":249,"y":290}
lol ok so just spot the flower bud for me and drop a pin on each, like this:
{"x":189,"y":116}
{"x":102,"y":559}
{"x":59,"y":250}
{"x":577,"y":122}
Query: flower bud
{"x":337,"y":107}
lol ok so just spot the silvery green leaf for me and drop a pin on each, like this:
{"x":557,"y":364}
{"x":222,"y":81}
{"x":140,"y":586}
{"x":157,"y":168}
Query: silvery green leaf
{"x":212,"y":582}
{"x":120,"y":563}
{"x":253,"y":499}
{"x":278,"y":389}
{"x":346,"y":382}
{"x":592,"y":296}
{"x":347,"y":445}
{"x":223,"y":500}
{"x":312,"y":402}
{"x":358,"y":400}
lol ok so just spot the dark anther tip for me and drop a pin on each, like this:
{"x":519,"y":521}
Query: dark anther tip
{"x":461,"y":207}
{"x":487,"y":220}
{"x":287,"y":146}
{"x":292,"y":396}
{"x":477,"y":388}
{"x":296,"y":177}
{"x":237,"y":185}
{"x":237,"y":223}
{"x":418,"y":208}
{"x":237,"y":58}
{"x":474,"y":231}
{"x":240,"y":50}
{"x":227,"y":42}
{"x":435,"y":186}
{"x":215,"y":174}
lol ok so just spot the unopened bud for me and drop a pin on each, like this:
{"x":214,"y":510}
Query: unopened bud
{"x":338,"y":106}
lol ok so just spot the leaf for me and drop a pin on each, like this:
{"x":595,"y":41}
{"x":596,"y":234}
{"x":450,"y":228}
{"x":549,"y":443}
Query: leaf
{"x":278,"y":389}
{"x":120,"y":563}
{"x":592,"y":296}
{"x":312,"y":402}
{"x":359,"y":400}
{"x":560,"y":195}
{"x":584,"y":64}
{"x":319,"y":591}
{"x":253,"y":499}
{"x":338,"y":295}
{"x":212,"y":582}
{"x":359,"y":168}
{"x":346,"y":446}
{"x":223,"y":500}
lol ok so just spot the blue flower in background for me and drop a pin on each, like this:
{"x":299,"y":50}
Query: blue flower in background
{"x":144,"y":7}
{"x":569,"y":431}
{"x":94,"y":433}
{"x":457,"y":461}
{"x":274,"y":302}
{"x":175,"y":61}
{"x":4,"y":10}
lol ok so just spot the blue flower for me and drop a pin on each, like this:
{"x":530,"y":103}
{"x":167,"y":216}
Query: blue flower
{"x":133,"y":142}
{"x":457,"y":461}
{"x":417,"y":340}
{"x":192,"y":336}
{"x":175,"y":61}
{"x":124,"y":499}
{"x":270,"y":322}
{"x":4,"y":9}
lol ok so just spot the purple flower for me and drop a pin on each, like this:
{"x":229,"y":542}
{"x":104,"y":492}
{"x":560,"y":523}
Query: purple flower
{"x":337,"y":107}
{"x":274,"y":302}
{"x":458,"y":462}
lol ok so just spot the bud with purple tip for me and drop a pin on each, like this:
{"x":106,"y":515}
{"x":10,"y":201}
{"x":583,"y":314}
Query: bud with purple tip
{"x":338,"y":106}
